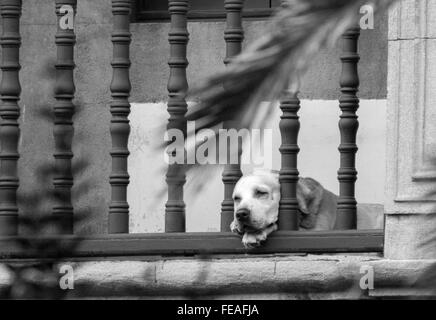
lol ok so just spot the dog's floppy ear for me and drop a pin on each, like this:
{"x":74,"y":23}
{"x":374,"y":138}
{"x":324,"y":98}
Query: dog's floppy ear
{"x":309,"y":196}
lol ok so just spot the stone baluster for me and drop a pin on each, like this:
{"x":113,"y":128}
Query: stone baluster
{"x":10,"y":89}
{"x":63,"y":112}
{"x":177,"y":108}
{"x":234,"y":36}
{"x":120,"y":109}
{"x":348,"y":125}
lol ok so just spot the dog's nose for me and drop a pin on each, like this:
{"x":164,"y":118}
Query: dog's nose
{"x":242,"y":214}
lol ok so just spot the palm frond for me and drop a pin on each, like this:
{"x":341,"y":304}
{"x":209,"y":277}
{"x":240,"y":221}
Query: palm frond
{"x":266,"y":68}
{"x":269,"y":66}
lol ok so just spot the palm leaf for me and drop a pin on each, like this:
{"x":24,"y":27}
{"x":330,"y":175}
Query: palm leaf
{"x":266,"y":68}
{"x":270,"y":65}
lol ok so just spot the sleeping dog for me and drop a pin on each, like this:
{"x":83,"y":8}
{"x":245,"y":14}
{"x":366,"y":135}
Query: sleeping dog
{"x":256,"y":203}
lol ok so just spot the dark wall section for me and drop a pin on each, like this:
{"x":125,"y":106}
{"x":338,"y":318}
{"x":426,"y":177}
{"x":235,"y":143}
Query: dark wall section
{"x":207,"y":49}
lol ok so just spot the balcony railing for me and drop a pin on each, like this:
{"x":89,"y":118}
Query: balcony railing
{"x":175,"y":241}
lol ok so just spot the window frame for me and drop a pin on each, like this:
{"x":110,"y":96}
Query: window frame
{"x":141,"y":15}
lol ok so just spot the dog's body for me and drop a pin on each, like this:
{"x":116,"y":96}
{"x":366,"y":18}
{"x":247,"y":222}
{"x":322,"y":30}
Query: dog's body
{"x":257,"y":197}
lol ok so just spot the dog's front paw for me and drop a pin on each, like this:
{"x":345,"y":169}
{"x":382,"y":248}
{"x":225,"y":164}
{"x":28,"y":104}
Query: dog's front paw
{"x":252,"y":240}
{"x":249,"y":241}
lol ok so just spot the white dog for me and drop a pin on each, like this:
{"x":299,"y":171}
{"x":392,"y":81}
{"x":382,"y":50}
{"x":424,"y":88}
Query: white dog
{"x":257,"y":197}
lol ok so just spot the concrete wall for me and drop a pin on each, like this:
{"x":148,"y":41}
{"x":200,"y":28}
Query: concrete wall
{"x":411,"y":148}
{"x":244,"y":277}
{"x":149,"y":75}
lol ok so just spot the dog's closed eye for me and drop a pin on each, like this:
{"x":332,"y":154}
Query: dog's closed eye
{"x":236,"y":198}
{"x":260,"y":193}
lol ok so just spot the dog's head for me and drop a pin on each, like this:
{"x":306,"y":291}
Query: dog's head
{"x":256,"y":199}
{"x":256,"y":203}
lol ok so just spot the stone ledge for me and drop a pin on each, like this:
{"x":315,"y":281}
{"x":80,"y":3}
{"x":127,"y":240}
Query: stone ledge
{"x":259,"y":277}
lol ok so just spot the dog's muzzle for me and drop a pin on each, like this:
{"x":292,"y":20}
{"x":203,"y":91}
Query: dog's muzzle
{"x":242,"y":214}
